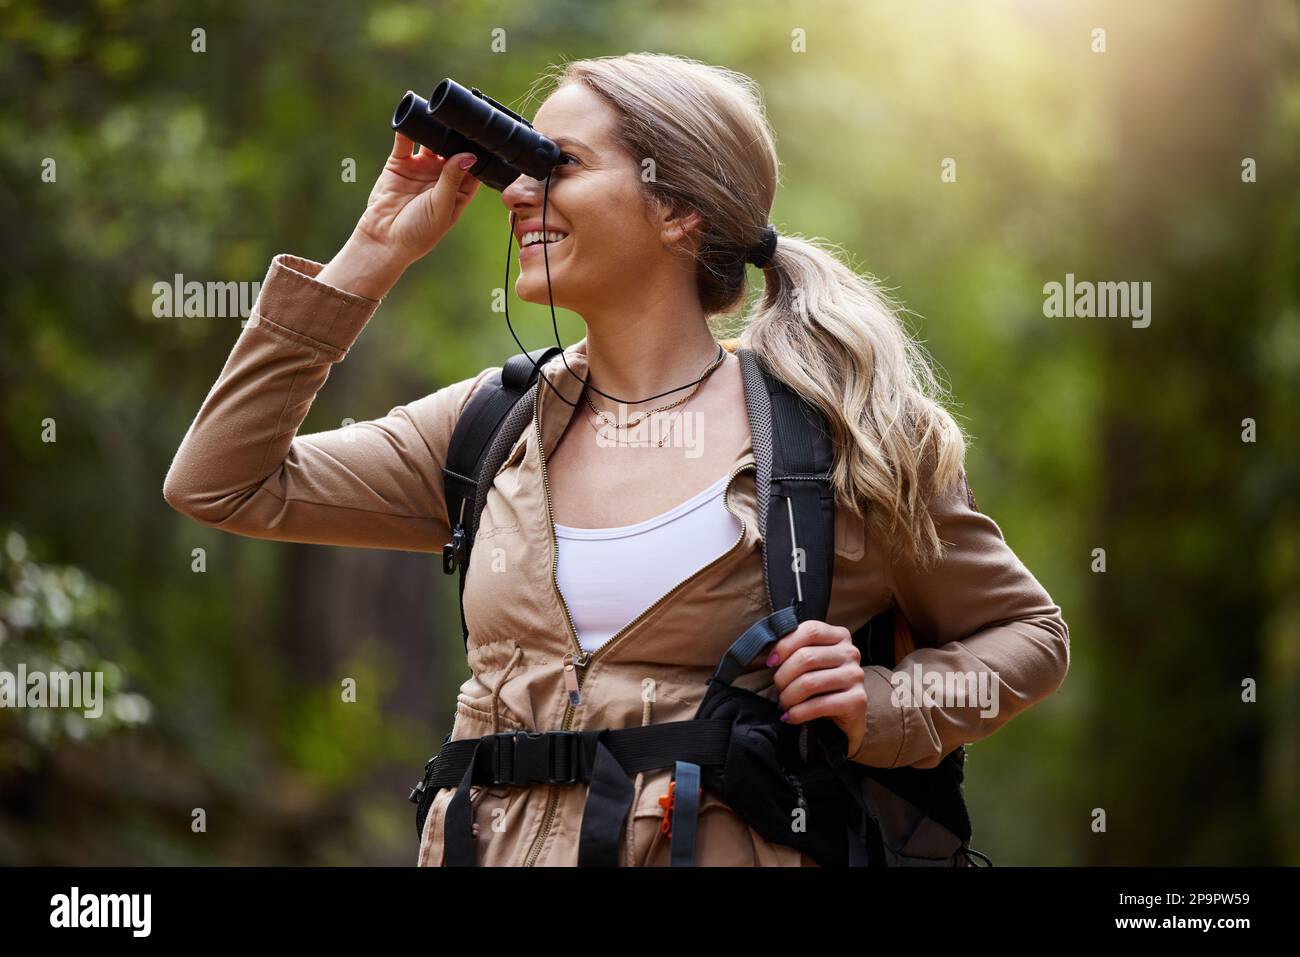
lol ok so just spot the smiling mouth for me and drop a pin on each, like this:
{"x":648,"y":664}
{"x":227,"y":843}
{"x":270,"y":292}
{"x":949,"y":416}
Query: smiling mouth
{"x":535,"y":240}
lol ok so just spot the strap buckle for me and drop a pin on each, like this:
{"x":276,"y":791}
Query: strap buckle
{"x":453,"y":553}
{"x":417,"y":792}
{"x":536,"y":757}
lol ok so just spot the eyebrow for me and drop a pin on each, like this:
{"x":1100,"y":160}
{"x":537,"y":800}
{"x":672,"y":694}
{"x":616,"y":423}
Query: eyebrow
{"x":562,"y":140}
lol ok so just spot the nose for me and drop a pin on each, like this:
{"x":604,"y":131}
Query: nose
{"x":524,"y":193}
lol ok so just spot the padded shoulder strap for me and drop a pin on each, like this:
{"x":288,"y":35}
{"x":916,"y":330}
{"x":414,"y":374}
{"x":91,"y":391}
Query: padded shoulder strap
{"x":796,"y":504}
{"x":488,"y":426}
{"x":479,"y":421}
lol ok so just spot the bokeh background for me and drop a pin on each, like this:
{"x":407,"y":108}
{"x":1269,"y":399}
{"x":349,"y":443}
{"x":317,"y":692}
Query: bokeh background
{"x":1122,"y":165}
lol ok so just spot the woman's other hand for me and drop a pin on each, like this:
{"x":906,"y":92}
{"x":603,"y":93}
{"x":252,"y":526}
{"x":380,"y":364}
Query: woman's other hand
{"x":819,"y":675}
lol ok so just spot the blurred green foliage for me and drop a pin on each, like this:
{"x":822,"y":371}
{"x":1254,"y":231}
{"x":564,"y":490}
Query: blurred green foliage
{"x":52,"y":619}
{"x":1087,"y":434}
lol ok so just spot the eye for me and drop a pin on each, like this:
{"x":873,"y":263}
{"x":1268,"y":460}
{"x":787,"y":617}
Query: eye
{"x":565,"y":157}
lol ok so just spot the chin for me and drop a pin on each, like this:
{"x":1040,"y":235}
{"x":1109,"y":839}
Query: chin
{"x":531,"y":288}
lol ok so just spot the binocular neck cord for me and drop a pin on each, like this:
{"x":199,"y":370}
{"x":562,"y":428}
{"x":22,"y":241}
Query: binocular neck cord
{"x":546,"y":190}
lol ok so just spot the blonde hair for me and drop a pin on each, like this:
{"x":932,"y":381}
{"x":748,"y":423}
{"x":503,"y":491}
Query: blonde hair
{"x":828,"y":333}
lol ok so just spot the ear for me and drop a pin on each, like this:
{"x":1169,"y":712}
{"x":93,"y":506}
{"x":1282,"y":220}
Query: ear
{"x":681,"y":226}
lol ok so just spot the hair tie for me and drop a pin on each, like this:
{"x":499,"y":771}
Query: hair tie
{"x":761,"y":253}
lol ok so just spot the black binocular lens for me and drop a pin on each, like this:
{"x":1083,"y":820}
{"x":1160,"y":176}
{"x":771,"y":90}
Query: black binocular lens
{"x":456,"y":120}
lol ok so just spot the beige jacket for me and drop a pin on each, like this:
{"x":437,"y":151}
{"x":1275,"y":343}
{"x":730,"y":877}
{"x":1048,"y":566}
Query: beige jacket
{"x":378,"y":484}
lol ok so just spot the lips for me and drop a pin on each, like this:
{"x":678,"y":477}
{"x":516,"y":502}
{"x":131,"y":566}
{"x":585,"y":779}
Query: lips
{"x":536,"y":248}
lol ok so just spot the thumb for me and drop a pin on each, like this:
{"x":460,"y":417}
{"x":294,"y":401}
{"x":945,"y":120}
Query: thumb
{"x":450,"y":179}
{"x":441,"y":202}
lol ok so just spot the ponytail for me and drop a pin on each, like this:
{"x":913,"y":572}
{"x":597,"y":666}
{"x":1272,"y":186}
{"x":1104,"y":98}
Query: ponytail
{"x":836,"y":338}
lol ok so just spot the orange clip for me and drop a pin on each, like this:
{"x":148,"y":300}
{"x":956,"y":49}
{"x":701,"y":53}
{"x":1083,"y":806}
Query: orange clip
{"x":668,"y":802}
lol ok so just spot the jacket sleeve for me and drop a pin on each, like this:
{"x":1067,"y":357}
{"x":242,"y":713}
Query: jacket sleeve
{"x":242,"y":467}
{"x":983,"y":613}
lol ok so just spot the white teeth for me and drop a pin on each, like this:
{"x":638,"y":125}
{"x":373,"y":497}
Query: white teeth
{"x":536,"y":236}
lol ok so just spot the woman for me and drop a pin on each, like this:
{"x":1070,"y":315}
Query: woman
{"x":620,"y":557}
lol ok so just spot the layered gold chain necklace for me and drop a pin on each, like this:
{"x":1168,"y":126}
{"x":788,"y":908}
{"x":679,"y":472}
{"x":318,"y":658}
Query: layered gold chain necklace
{"x":643,"y":416}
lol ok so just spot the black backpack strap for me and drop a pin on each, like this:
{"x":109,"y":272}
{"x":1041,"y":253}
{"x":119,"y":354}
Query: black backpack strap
{"x":784,"y":444}
{"x":488,"y":427}
{"x":796,"y":503}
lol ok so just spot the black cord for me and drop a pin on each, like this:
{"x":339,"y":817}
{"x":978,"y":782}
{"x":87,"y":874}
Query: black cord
{"x":970,"y":851}
{"x":546,"y":191}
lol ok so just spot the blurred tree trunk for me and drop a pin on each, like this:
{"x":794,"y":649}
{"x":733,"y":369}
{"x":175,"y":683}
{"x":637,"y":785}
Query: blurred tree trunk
{"x":337,"y":596}
{"x":1181,"y":607}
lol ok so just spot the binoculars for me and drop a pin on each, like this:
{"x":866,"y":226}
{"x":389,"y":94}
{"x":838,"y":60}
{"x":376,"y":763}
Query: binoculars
{"x":456,"y":120}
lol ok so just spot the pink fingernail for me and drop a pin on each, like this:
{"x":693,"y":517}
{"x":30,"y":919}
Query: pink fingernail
{"x":772,"y":659}
{"x":785,"y":716}
{"x":468,"y":161}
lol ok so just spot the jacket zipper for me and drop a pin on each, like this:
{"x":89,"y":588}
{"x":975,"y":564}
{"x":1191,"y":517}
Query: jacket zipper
{"x":575,"y":665}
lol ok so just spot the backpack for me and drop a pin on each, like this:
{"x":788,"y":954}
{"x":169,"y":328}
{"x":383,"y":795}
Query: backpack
{"x":735,"y":746}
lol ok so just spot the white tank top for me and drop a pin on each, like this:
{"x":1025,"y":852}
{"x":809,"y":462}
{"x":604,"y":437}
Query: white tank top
{"x":608,"y":576}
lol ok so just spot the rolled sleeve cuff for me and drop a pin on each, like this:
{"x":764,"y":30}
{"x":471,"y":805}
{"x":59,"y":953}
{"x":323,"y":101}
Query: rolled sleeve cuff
{"x":886,"y":724}
{"x":292,"y":299}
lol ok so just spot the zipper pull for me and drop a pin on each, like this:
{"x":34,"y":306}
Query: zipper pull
{"x":571,"y":665}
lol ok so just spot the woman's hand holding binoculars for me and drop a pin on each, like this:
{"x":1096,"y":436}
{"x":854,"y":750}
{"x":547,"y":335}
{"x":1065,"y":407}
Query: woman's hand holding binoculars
{"x":414,"y":203}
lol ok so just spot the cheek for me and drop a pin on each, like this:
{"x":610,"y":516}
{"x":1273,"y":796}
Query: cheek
{"x":611,"y":233}
{"x":613,"y":224}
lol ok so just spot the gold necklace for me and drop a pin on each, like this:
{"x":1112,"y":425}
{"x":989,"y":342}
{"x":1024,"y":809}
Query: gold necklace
{"x":641,"y":417}
{"x":660,"y":443}
{"x":716,"y":362}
